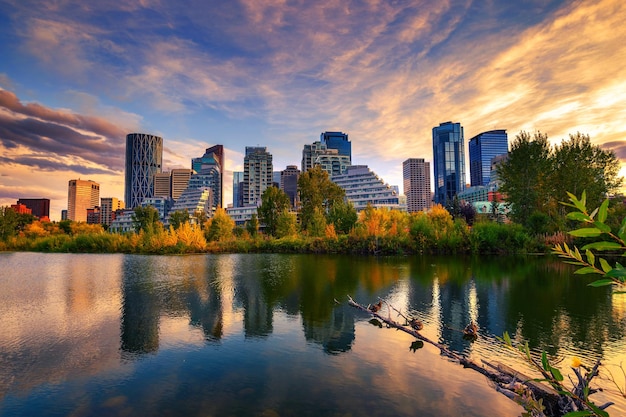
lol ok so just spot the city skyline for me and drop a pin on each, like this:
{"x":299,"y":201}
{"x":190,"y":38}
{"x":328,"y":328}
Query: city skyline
{"x":76,"y":78}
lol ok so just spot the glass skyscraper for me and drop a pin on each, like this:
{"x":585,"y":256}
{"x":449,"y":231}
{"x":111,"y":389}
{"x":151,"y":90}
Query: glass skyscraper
{"x":339,"y":141}
{"x":144,"y":157}
{"x":449,"y":161}
{"x":482,"y":149}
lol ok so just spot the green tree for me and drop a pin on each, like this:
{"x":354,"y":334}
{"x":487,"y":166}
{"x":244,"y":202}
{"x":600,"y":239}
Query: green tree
{"x":580,"y":166}
{"x":525,"y":177}
{"x":252,"y":225}
{"x":66,"y":226}
{"x":274,"y":201}
{"x":8,"y":222}
{"x":317,"y":192}
{"x":317,"y":224}
{"x":343,"y":216}
{"x":147,"y":219}
{"x":179,"y":217}
{"x":286,"y":224}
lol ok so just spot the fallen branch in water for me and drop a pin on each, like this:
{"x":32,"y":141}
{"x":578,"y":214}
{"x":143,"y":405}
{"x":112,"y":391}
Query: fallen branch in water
{"x":538,"y":399}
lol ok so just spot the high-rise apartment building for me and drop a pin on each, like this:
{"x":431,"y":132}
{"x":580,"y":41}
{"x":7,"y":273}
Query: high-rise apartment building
{"x":212,"y":163}
{"x":289,"y":183}
{"x":40,"y":207}
{"x":482,"y":149}
{"x":363,"y":187}
{"x":257,"y":174}
{"x":416,"y":177}
{"x":309,"y":153}
{"x":449,"y":161}
{"x":81,"y":196}
{"x":108,"y":207}
{"x":339,"y":141}
{"x":144,"y":157}
{"x":162,"y":184}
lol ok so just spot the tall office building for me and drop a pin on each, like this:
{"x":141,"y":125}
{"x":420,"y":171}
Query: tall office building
{"x":179,"y":180}
{"x":81,"y":195}
{"x":212,"y":161}
{"x":40,"y":207}
{"x":482,"y":149}
{"x":108,"y":207}
{"x":257,"y":174}
{"x":289,"y":183}
{"x":237,"y":188}
{"x":339,"y":141}
{"x":416,"y":176}
{"x":144,"y":157}
{"x":449,"y":161}
{"x":162,"y":184}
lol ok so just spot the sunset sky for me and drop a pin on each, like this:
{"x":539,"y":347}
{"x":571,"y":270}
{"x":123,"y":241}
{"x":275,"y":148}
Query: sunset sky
{"x":77,"y":76}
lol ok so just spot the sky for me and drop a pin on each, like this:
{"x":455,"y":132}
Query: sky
{"x":77,"y":76}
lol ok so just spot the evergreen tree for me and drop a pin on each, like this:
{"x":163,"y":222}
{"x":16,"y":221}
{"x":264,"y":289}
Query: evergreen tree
{"x":273,"y":202}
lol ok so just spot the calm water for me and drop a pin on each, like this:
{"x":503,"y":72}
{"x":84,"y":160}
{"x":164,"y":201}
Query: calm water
{"x":261,"y":335}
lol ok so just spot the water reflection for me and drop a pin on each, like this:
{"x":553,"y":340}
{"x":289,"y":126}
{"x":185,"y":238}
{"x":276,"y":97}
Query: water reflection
{"x":71,"y":316}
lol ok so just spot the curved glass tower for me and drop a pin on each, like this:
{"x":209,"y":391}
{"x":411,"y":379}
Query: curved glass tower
{"x":144,"y":157}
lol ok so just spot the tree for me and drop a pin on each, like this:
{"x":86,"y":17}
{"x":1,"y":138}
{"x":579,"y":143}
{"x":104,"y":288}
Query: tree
{"x":178,"y":218}
{"x":317,"y":224}
{"x":343,"y":216}
{"x":220,"y":226}
{"x":286,"y":224}
{"x":8,"y":222}
{"x":274,"y":201}
{"x":147,"y":219}
{"x":252,"y":225}
{"x":317,"y":192}
{"x":580,"y":166}
{"x":525,"y":177}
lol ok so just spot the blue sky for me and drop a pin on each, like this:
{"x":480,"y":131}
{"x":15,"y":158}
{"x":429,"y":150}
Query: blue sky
{"x":76,"y":76}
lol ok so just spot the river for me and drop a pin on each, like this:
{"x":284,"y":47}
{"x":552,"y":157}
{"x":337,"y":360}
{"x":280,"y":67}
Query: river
{"x":262,"y":334}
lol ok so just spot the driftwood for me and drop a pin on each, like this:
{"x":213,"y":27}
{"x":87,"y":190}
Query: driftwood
{"x":507,"y":381}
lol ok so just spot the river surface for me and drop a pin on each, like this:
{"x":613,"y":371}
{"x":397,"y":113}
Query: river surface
{"x":262,"y":335}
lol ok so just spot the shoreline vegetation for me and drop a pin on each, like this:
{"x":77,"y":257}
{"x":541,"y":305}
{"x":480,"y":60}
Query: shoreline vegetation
{"x":376,"y":232}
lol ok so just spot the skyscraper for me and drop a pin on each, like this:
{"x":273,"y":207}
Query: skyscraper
{"x":482,"y":149}
{"x":81,"y":195}
{"x":179,"y":180}
{"x":289,"y":183}
{"x":40,"y":207}
{"x":449,"y":161}
{"x":144,"y":156}
{"x":212,"y":163}
{"x":339,"y":141}
{"x":257,"y":174}
{"x":237,"y":188}
{"x":416,"y":176}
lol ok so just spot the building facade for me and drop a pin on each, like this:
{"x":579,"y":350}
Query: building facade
{"x":40,"y":207}
{"x":108,"y":207}
{"x":81,"y":195}
{"x":289,"y":183}
{"x":257,"y":174}
{"x":339,"y":141}
{"x":449,"y":161}
{"x":416,"y":178}
{"x":144,"y":158}
{"x":197,"y":202}
{"x":482,"y":149}
{"x":212,"y":163}
{"x":237,"y":188}
{"x":363,"y":187}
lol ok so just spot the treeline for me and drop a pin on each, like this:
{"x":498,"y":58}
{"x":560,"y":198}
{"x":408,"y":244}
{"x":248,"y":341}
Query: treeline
{"x":376,"y":231}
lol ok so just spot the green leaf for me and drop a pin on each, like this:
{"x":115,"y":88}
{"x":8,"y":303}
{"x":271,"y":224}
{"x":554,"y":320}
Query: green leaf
{"x":622,"y":230}
{"x":507,"y":339}
{"x":586,"y":232}
{"x":616,"y":273}
{"x":591,"y":259}
{"x":602,"y":227}
{"x":556,"y":374}
{"x":597,"y":410}
{"x":605,"y":265}
{"x":579,"y":413}
{"x":603,"y":246}
{"x":578,"y":216}
{"x":603,"y":211}
{"x":601,"y":283}
{"x":586,"y":270}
